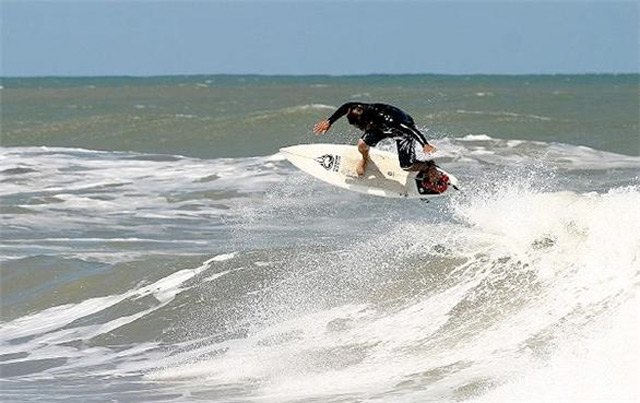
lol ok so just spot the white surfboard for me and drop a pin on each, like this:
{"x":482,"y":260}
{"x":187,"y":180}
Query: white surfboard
{"x":336,"y":164}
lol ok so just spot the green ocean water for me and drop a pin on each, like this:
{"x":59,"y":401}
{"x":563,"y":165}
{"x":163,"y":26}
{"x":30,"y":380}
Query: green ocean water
{"x":239,"y":116}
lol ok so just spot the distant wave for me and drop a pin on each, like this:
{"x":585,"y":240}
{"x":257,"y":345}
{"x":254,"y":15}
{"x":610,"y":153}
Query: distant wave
{"x":289,"y":110}
{"x":504,"y":114}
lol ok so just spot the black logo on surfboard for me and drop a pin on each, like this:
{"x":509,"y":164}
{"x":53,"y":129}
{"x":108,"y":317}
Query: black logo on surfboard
{"x":329,"y":162}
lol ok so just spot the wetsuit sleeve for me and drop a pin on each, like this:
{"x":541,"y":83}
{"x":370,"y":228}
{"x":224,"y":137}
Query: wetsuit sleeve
{"x":341,"y":111}
{"x":400,"y":121}
{"x":413,"y":132}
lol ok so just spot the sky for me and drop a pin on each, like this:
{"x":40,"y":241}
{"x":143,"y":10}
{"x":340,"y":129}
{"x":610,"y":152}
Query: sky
{"x":146,"y":38}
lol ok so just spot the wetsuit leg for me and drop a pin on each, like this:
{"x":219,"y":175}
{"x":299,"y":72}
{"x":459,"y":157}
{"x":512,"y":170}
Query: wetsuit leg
{"x":408,"y":159}
{"x":406,"y":152}
{"x":371,"y":138}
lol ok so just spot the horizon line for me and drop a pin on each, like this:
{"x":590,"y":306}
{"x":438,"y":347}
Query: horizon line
{"x":141,"y":76}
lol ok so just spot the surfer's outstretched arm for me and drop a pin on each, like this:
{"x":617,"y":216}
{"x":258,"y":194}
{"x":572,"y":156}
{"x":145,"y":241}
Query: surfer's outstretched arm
{"x":341,"y":111}
{"x":324,"y":126}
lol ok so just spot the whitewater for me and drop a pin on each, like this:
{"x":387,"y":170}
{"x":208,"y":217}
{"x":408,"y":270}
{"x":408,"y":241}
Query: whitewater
{"x":131,"y":276}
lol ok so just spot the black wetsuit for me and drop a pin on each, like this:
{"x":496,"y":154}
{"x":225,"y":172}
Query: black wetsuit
{"x":382,"y":121}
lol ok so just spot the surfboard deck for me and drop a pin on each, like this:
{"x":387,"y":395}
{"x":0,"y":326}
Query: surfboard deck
{"x":336,"y":164}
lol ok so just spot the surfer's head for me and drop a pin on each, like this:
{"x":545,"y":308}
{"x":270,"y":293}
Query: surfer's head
{"x":354,"y":116}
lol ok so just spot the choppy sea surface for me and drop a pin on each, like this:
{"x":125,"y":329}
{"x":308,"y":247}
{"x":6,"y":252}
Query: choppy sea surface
{"x":155,"y":246}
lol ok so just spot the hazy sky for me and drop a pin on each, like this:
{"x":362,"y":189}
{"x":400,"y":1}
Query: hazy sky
{"x":93,"y":37}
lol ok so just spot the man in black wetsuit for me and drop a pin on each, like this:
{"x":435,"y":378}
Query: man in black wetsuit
{"x":381,"y":121}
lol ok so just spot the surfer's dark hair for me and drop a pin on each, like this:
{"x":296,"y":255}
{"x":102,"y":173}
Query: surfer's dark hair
{"x":355,"y":113}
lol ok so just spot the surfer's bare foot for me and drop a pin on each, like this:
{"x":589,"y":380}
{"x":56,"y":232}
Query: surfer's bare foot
{"x":363,"y":148}
{"x":362,"y":165}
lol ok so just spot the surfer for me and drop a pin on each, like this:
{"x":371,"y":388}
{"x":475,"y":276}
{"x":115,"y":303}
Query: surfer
{"x":382,"y":121}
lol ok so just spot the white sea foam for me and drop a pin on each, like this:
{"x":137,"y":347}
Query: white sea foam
{"x":476,"y":137}
{"x":51,"y":319}
{"x":602,"y":368}
{"x":539,"y":271}
{"x":518,"y":153}
{"x":579,"y":250}
{"x":77,"y":191}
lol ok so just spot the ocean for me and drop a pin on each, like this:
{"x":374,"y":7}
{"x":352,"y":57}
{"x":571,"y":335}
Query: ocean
{"x":156,"y":247}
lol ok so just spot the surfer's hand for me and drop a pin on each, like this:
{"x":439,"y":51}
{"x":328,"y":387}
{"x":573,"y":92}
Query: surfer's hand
{"x":429,"y":149}
{"x":322,"y":127}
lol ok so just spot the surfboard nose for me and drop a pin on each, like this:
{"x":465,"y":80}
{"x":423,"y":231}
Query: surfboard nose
{"x":453,"y":181}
